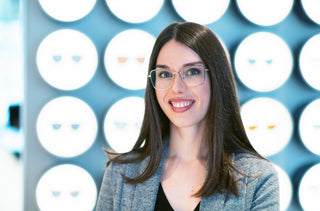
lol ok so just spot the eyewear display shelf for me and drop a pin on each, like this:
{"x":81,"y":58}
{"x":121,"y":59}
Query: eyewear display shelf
{"x":77,"y":87}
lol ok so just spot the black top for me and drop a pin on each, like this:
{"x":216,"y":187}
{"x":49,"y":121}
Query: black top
{"x":162,"y":203}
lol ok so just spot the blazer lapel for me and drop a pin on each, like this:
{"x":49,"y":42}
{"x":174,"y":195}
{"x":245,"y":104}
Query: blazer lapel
{"x":145,"y":194}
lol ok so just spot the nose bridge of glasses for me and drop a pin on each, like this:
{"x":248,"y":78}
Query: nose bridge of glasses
{"x":178,"y":81}
{"x":180,"y":73}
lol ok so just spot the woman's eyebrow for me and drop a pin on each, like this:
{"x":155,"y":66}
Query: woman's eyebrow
{"x":184,"y":65}
{"x":162,"y":66}
{"x":193,"y":63}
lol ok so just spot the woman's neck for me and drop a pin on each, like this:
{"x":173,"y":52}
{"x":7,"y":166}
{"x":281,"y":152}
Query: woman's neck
{"x":186,"y":144}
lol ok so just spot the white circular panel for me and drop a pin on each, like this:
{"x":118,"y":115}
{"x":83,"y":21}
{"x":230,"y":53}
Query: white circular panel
{"x":66,"y":127}
{"x":285,"y":187}
{"x":312,"y":9}
{"x":67,"y":59}
{"x":67,"y":10}
{"x":122,"y":123}
{"x":265,"y":12}
{"x":309,"y":126}
{"x":127,"y":56}
{"x":309,"y":62}
{"x":135,"y":11}
{"x":268,"y":124}
{"x":201,"y":11}
{"x":263,"y":61}
{"x":66,"y":187}
{"x":309,"y":189}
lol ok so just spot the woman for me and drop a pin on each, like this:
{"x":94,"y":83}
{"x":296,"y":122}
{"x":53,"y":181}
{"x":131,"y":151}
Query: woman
{"x":192,"y":152}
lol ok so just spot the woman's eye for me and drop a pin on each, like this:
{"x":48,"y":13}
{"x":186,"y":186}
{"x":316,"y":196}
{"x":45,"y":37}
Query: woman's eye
{"x":193,"y":71}
{"x":165,"y":74}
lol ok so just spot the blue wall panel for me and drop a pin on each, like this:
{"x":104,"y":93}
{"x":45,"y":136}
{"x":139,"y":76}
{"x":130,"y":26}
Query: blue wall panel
{"x":101,"y":92}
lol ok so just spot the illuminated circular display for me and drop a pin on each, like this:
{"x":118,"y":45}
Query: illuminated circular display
{"x":126,"y":58}
{"x":263,"y":61}
{"x":309,"y":189}
{"x":203,"y":11}
{"x":122,"y":123}
{"x":137,"y":11}
{"x":309,"y":61}
{"x":66,"y":187}
{"x":265,"y":12}
{"x":67,"y":59}
{"x":268,"y":124}
{"x":67,"y":11}
{"x":285,"y":188}
{"x":309,"y":126}
{"x":66,"y":127}
{"x":311,"y":8}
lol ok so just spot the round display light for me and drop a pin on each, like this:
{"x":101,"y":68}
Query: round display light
{"x":137,"y":11}
{"x":309,"y":126}
{"x":312,"y":9}
{"x":268,"y":124}
{"x":67,"y":11}
{"x":309,"y":62}
{"x":263,"y":61}
{"x":67,"y":59}
{"x":265,"y":12}
{"x":66,"y":187}
{"x":309,"y":189}
{"x":123,"y":122}
{"x":66,"y":127}
{"x":202,"y":11}
{"x":126,"y":58}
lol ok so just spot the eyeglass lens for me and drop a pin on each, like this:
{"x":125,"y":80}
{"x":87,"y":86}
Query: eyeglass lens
{"x":191,"y":75}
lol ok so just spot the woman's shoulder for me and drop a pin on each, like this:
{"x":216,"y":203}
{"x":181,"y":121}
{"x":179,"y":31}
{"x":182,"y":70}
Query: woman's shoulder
{"x":253,"y":165}
{"x":257,"y":181}
{"x":137,"y":161}
{"x":128,"y":167}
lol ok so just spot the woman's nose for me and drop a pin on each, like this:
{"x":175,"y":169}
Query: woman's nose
{"x":178,"y":84}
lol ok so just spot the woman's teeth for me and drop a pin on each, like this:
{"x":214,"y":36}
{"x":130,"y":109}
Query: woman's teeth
{"x":181,"y":104}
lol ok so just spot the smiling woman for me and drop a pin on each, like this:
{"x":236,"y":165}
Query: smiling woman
{"x":186,"y":98}
{"x":192,"y":152}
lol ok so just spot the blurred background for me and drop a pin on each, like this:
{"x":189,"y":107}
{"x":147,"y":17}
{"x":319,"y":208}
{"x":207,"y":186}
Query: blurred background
{"x":72,"y":78}
{"x":11,"y":100}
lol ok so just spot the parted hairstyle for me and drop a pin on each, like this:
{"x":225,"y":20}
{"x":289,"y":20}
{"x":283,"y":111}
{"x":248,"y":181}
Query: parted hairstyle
{"x":224,"y":132}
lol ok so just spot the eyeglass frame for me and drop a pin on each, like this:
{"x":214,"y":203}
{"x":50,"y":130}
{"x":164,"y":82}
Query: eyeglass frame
{"x":179,"y":72}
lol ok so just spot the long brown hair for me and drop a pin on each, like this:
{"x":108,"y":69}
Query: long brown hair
{"x":224,"y":133}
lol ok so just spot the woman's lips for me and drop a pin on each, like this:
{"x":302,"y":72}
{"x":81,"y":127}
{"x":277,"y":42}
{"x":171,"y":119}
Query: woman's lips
{"x":181,"y":105}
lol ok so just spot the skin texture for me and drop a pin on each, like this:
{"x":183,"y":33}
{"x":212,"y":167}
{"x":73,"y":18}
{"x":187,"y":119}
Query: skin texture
{"x":186,"y":107}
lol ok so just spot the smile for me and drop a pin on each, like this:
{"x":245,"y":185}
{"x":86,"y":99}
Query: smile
{"x":181,"y":105}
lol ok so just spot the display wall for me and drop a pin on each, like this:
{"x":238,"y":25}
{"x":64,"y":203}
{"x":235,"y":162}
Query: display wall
{"x":86,"y":68}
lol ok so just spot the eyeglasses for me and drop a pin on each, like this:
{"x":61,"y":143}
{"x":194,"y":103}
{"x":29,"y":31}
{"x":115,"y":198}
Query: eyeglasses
{"x":193,"y":75}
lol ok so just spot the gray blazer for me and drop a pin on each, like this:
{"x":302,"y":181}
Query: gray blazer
{"x":260,"y":192}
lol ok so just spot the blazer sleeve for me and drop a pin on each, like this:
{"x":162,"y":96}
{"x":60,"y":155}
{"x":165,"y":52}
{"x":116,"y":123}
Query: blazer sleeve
{"x":264,"y":188}
{"x":105,"y":199}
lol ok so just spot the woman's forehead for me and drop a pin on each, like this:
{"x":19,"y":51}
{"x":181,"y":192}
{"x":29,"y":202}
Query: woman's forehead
{"x":176,"y":55}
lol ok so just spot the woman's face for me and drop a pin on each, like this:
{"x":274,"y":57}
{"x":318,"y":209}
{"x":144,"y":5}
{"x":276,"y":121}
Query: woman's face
{"x":184,"y":106}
